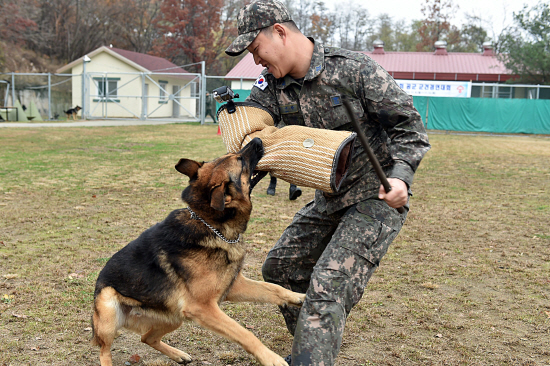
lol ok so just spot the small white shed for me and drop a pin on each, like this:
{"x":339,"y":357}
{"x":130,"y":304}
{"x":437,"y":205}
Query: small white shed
{"x":126,"y":84}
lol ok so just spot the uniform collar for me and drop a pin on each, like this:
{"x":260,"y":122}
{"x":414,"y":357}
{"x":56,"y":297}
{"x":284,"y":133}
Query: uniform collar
{"x":316,"y":66}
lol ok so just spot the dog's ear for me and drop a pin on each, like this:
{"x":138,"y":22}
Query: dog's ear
{"x":217,"y":197}
{"x":188,"y":167}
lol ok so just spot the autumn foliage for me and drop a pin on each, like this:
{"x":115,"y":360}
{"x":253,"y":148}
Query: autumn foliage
{"x":190,"y":30}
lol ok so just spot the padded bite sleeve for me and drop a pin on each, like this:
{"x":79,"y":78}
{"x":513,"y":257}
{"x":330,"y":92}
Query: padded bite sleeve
{"x":300,"y":155}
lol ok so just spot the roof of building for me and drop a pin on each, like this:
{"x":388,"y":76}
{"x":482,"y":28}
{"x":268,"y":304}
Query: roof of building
{"x":151,"y":63}
{"x":246,"y":68}
{"x":140,"y":61}
{"x":439,"y":65}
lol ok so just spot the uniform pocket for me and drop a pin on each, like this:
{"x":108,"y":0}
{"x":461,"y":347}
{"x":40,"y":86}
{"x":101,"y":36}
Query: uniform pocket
{"x":371,"y":227}
{"x":380,"y":211}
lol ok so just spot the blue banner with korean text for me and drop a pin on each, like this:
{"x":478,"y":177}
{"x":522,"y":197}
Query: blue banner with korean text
{"x":434,"y":88}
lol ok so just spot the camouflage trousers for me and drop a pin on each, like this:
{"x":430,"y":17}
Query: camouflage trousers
{"x":330,"y":258}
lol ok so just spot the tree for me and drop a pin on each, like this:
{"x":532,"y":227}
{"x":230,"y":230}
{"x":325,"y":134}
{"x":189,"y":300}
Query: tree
{"x":321,"y":23}
{"x":301,"y":11}
{"x":469,"y":38}
{"x":188,"y":29}
{"x":384,"y":32}
{"x":224,"y":36}
{"x":13,"y":26}
{"x":139,"y":31}
{"x":353,"y":26}
{"x":406,"y":37}
{"x":436,"y":24}
{"x":12,"y":23}
{"x":526,"y":46}
{"x":68,"y":29}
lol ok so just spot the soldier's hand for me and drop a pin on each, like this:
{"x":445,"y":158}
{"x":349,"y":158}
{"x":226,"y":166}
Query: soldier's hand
{"x":398,"y":195}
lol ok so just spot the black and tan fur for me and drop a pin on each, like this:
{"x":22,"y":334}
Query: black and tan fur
{"x":72,"y":112}
{"x":180,"y":270}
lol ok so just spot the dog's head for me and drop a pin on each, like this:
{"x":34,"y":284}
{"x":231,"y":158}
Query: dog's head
{"x":223,"y":184}
{"x":77,"y":108}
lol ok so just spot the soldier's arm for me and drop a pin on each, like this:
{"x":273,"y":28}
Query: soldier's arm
{"x":393,"y":109}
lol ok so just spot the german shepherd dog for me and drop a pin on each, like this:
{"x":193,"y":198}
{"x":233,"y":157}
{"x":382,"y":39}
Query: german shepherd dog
{"x":183,"y":267}
{"x":72,"y":112}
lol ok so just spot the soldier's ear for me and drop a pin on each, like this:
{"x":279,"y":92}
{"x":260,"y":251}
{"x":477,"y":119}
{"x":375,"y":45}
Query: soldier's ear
{"x":280,"y":31}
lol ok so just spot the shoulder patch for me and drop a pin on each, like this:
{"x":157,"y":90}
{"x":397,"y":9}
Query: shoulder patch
{"x":261,"y":82}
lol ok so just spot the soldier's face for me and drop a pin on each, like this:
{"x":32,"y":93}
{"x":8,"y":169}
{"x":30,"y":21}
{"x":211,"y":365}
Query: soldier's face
{"x":268,"y":51}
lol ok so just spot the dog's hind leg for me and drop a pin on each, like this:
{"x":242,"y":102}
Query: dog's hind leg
{"x":105,"y":323}
{"x":153,"y":338}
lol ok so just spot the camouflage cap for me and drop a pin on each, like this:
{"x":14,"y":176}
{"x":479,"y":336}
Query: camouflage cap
{"x":252,"y":19}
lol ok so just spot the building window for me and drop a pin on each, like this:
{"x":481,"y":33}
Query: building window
{"x":163,"y":98}
{"x":107,"y":89}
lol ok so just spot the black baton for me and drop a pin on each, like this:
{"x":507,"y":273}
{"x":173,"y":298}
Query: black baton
{"x":372,"y":158}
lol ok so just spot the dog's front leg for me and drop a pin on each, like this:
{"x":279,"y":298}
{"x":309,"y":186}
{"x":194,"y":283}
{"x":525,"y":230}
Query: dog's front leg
{"x":211,"y":317}
{"x":247,"y":290}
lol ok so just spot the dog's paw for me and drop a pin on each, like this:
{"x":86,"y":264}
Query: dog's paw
{"x":182,"y":358}
{"x":270,"y":358}
{"x":297,"y":299}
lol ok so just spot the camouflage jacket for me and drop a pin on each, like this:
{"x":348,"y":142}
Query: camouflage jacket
{"x":386,"y":113}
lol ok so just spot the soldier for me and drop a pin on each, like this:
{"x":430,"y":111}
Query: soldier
{"x":210,"y":107}
{"x":335,"y":243}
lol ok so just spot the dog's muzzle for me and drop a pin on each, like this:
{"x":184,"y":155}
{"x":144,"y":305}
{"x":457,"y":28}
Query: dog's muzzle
{"x":252,"y":153}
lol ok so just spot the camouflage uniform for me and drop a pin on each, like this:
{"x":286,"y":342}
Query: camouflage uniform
{"x":334,"y":244}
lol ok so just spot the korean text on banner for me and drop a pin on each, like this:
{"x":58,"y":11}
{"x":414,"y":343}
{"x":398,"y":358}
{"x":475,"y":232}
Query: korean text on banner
{"x":434,"y":88}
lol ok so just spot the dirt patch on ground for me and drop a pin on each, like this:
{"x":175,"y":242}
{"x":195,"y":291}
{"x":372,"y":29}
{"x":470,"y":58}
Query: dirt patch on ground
{"x":467,"y":281}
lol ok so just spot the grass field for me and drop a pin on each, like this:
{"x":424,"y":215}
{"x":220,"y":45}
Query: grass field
{"x":467,"y":282}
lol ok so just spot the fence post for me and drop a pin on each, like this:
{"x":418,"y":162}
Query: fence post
{"x":427,"y":110}
{"x":144,"y":99}
{"x":13,"y":89}
{"x":49,"y":96}
{"x":84,"y":112}
{"x":202,"y":97}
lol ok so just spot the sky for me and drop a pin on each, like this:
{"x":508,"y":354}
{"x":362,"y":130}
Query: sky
{"x":497,"y":14}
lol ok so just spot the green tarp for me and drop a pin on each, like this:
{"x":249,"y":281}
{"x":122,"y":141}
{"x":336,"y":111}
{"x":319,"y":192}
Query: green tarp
{"x":243,"y":94}
{"x":485,"y":114}
{"x":478,"y":114}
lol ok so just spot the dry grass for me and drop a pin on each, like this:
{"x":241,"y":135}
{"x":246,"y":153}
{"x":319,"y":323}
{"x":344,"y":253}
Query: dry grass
{"x":467,"y":282}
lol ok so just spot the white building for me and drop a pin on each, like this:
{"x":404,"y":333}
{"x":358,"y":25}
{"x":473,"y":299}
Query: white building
{"x":126,"y":84}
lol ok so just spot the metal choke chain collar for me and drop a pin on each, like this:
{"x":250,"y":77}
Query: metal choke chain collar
{"x":194,"y":216}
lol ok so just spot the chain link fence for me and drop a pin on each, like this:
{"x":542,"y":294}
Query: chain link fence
{"x":34,"y":97}
{"x":109,"y":95}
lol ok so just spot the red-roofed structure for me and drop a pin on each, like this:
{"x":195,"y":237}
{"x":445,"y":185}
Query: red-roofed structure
{"x":151,"y":63}
{"x":140,"y":61}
